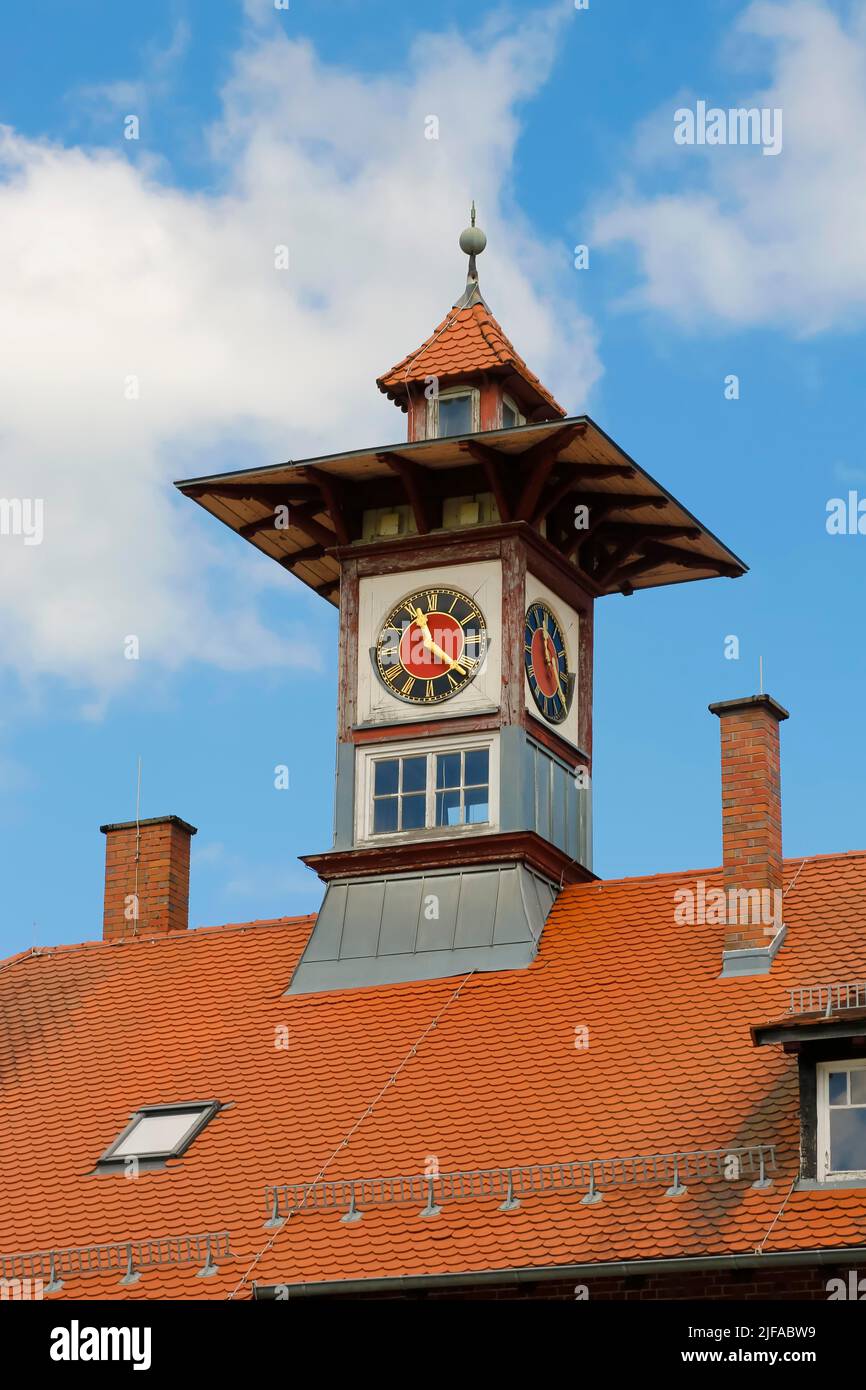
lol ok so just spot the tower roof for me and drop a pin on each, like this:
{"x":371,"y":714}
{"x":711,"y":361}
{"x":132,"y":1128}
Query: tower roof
{"x":469,"y":340}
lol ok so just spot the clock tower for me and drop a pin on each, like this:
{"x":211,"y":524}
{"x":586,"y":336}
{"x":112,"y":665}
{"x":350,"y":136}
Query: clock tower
{"x":465,"y":562}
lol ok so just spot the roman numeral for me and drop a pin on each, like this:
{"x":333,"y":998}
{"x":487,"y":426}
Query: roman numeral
{"x":392,"y":672}
{"x":455,"y":685}
{"x":432,"y":601}
{"x":429,"y":694}
{"x":408,"y":687}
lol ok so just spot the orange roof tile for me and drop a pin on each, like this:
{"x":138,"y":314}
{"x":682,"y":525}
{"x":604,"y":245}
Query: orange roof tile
{"x":92,"y":1032}
{"x":468,"y":340}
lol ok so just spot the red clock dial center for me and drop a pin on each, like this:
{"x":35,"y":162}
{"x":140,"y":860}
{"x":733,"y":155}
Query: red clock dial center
{"x":545,"y":671}
{"x":427,"y":651}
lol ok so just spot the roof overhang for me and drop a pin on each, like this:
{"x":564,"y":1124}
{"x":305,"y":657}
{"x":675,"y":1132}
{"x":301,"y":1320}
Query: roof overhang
{"x":632,"y":535}
{"x":794,"y":1030}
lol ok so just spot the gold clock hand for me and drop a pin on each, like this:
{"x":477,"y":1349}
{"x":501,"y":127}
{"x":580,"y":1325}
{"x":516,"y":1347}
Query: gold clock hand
{"x":443,"y":656}
{"x":431,"y":646}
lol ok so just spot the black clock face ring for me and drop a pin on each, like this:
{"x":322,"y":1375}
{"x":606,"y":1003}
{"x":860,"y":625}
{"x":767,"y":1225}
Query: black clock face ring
{"x":431,"y":645}
{"x":546,"y":661}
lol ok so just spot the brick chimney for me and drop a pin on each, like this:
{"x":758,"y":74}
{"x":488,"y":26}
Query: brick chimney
{"x":146,"y":877}
{"x":751,"y":831}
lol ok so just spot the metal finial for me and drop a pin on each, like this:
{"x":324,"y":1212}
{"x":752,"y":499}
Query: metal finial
{"x":472,"y":243}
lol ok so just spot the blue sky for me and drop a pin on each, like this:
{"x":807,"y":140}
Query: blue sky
{"x":153,"y":259}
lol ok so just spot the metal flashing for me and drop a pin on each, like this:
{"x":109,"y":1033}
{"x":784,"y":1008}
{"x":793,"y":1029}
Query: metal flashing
{"x":396,"y":928}
{"x":754,"y":960}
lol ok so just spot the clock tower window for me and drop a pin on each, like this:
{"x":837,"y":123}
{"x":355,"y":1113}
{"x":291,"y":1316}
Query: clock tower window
{"x":462,"y":787}
{"x":434,"y":791}
{"x":399,"y":795}
{"x":511,"y":416}
{"x":454,"y":411}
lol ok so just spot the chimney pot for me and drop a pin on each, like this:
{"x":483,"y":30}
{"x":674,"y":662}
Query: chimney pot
{"x":146,"y":877}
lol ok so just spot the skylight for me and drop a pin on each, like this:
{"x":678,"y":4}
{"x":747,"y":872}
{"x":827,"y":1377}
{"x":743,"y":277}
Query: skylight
{"x":160,"y":1131}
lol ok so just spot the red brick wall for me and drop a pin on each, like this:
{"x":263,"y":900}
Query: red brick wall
{"x":751,"y":806}
{"x":161,"y":884}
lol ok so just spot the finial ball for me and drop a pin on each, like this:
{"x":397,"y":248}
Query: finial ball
{"x":472,"y":241}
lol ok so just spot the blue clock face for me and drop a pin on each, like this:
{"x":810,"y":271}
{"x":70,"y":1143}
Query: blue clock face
{"x":546,"y":661}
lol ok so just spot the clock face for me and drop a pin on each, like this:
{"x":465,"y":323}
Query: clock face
{"x":546,"y":661}
{"x":431,"y":646}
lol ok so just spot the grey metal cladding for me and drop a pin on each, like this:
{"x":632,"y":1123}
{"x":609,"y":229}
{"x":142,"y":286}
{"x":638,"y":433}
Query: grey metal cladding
{"x":324,"y":943}
{"x":363,"y":920}
{"x":424,"y":926}
{"x":476,"y":912}
{"x":436,"y":931}
{"x":400,"y":914}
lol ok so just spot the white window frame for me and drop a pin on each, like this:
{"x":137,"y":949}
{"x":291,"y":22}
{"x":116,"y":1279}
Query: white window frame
{"x":824,"y":1172}
{"x":369,"y":755}
{"x":511,"y":402}
{"x":449,"y":393}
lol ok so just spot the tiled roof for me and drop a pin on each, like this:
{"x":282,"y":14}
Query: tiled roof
{"x":468,"y":340}
{"x":92,"y":1032}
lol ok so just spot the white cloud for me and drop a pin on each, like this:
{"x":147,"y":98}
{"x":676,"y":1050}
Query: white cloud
{"x":761,"y":240}
{"x":107,"y":271}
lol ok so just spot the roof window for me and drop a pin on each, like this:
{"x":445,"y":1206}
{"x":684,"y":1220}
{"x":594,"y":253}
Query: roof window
{"x":158,"y":1132}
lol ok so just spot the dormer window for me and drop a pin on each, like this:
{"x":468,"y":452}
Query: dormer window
{"x":511,"y":416}
{"x":455,"y":411}
{"x":841,"y":1119}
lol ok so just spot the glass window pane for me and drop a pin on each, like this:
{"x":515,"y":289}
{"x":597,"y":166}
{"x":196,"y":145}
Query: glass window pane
{"x":414,"y":774}
{"x":455,"y":415}
{"x":477,"y":809}
{"x":447,"y":808}
{"x":476,"y":773}
{"x":448,"y":770}
{"x":385,"y":815}
{"x":385,"y":783}
{"x":413,"y":811}
{"x":838,"y":1087}
{"x":858,"y":1086}
{"x":509,"y":416}
{"x":847,"y":1140}
{"x":156,"y":1134}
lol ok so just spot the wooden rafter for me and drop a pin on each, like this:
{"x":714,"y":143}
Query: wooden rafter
{"x":656,"y":553}
{"x":538,"y":462}
{"x":304,"y":519}
{"x":335,"y":495}
{"x":263,"y":523}
{"x":328,"y":588}
{"x":302,"y":557}
{"x":269,"y":494}
{"x":413,"y":479}
{"x":492,"y":461}
{"x":673,"y":555}
{"x":576,"y":475}
{"x":601,"y":504}
{"x":620,"y":530}
{"x":611,"y":563}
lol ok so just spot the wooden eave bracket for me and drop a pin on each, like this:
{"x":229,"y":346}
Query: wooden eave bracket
{"x":412,"y":478}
